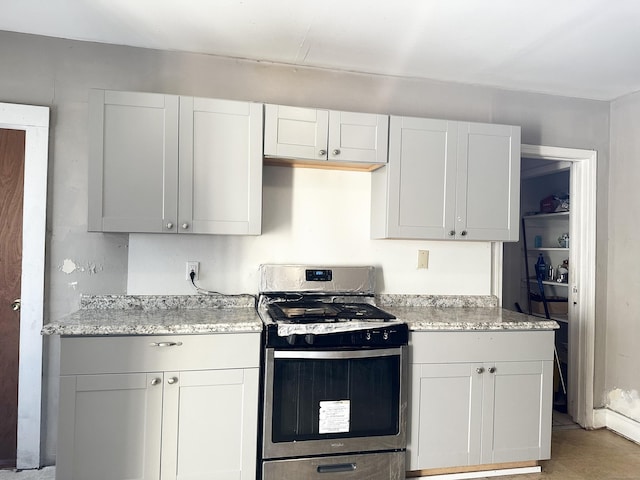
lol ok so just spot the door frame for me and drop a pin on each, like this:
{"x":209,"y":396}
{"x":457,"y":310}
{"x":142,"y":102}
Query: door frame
{"x":34,"y":120}
{"x":582,"y":284}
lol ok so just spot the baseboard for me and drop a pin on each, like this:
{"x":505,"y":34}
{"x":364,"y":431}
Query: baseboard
{"x":625,"y":426}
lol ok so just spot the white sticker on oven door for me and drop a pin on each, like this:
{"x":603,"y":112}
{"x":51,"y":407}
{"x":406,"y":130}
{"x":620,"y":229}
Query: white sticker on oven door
{"x":334,"y":416}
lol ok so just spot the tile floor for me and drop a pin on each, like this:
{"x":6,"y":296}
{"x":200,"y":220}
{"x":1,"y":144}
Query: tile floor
{"x":577,"y":454}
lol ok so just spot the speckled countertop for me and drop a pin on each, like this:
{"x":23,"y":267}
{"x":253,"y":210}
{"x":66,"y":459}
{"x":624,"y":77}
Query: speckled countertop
{"x":198,"y":314}
{"x":158,"y":315}
{"x":458,"y":313}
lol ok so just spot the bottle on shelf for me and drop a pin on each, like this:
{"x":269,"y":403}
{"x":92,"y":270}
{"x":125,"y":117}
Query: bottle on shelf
{"x":541,"y":268}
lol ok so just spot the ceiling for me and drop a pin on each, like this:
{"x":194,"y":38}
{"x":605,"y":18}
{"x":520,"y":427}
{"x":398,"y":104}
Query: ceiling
{"x":577,"y":48}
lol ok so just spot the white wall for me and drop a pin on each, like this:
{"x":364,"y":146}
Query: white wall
{"x":59,"y":73}
{"x":309,"y":216}
{"x":623,"y":306}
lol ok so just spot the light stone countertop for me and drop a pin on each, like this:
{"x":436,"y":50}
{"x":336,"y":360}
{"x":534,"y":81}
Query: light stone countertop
{"x":202,"y":314}
{"x":158,"y":315}
{"x":468,"y":319}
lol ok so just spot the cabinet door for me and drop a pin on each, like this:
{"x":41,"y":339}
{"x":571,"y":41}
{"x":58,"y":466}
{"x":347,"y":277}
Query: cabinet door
{"x":414,"y":197}
{"x":220,"y":167}
{"x":133,"y":162}
{"x":358,"y":137}
{"x":517,"y":412}
{"x":110,"y":427}
{"x":296,"y":133}
{"x":488,"y":182}
{"x":445,"y":416}
{"x":210,"y":425}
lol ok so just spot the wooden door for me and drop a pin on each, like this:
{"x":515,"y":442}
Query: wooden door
{"x":12,"y":144}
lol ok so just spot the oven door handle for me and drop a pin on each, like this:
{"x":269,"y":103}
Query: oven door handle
{"x":335,"y":354}
{"x":338,"y":467}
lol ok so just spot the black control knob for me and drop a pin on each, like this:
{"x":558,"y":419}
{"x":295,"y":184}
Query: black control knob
{"x":385,"y":335}
{"x":291,"y":339}
{"x":367,"y":335}
{"x":309,"y":338}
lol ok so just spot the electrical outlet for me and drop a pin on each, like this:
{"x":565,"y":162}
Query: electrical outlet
{"x":423,"y":258}
{"x":193,"y":267}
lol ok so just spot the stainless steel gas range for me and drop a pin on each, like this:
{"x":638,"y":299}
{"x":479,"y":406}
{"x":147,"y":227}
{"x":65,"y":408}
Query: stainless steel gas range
{"x":335,"y":376}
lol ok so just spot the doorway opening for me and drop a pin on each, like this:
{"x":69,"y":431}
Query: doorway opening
{"x":545,"y":172}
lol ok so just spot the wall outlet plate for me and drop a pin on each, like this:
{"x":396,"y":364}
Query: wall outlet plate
{"x":423,"y":258}
{"x":193,"y":267}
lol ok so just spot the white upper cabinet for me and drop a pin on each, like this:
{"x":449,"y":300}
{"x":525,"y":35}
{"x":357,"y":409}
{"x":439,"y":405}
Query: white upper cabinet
{"x":448,"y":180}
{"x":163,"y":163}
{"x":488,"y":182}
{"x":220,"y":187}
{"x":133,"y":161}
{"x":325,"y":135}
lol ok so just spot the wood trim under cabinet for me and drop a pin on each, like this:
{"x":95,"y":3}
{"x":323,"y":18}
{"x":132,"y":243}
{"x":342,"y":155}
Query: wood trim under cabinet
{"x":471,"y":468}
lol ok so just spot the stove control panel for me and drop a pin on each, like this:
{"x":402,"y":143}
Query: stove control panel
{"x":390,"y":336}
{"x":321,"y":275}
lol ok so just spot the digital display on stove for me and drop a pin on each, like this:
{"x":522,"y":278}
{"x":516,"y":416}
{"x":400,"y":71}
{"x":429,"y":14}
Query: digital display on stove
{"x":323,"y":275}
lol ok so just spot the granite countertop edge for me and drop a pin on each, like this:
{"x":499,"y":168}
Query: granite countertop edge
{"x":104,"y":315}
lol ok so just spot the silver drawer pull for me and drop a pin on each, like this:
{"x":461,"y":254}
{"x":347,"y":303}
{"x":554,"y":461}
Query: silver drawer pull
{"x":338,"y":467}
{"x":165,"y":344}
{"x":155,"y":381}
{"x":172,"y":380}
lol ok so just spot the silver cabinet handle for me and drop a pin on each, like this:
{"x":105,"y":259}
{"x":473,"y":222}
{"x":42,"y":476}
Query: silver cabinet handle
{"x":463,"y":233}
{"x":185,"y":226}
{"x":492,"y":369}
{"x":480,"y":370}
{"x":165,"y":344}
{"x":452,"y":233}
{"x":172,"y":380}
{"x":322,"y":153}
{"x":155,"y":381}
{"x":336,"y":152}
{"x":169,"y":225}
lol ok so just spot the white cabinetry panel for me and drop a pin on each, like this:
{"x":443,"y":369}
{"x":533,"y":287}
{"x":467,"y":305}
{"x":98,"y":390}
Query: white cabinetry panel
{"x":220,"y":166}
{"x":309,"y":134}
{"x":479,"y":398}
{"x":133,"y":161}
{"x":156,"y":423}
{"x":448,"y":180}
{"x":163,"y":163}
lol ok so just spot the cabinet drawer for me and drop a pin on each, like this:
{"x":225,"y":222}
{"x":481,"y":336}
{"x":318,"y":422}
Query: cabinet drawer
{"x":92,"y":355}
{"x":453,"y":347}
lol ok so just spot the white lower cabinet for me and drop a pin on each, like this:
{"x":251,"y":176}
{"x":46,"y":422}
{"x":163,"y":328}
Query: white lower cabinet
{"x":187,"y":423}
{"x":479,"y":398}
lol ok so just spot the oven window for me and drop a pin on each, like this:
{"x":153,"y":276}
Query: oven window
{"x":360,"y":398}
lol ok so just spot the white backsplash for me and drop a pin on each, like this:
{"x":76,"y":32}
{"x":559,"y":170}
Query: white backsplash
{"x":310,"y":216}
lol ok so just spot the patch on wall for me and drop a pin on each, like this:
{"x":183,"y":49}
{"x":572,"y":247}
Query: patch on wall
{"x":626,"y":403}
{"x":69,"y":266}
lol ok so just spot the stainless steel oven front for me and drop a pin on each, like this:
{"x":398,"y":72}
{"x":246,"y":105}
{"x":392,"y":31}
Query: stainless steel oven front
{"x":336,"y":401}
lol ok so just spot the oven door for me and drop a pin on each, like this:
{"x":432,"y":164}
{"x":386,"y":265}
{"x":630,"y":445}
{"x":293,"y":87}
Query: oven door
{"x":320,"y":402}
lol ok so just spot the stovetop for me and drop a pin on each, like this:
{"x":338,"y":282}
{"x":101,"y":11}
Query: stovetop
{"x":323,"y":312}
